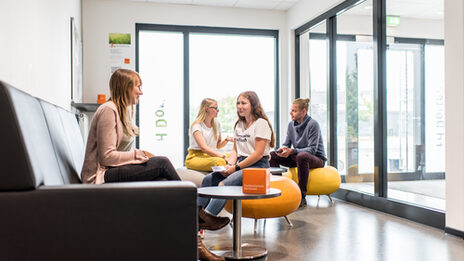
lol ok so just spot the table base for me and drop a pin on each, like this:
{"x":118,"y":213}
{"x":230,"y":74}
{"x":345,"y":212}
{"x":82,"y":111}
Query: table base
{"x":249,"y":251}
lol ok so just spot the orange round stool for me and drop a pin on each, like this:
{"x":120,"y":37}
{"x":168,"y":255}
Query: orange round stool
{"x":321,"y":181}
{"x":272,"y":207}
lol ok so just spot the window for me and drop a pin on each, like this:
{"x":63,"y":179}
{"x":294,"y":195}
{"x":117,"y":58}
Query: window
{"x":222,"y":66}
{"x":415,"y":104}
{"x":181,"y":65}
{"x":160,"y":112}
{"x":387,"y":115}
{"x":318,"y":77}
{"x":355,"y":98}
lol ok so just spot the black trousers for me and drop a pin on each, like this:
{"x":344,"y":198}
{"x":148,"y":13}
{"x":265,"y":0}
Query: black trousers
{"x":304,"y":161}
{"x":156,"y":168}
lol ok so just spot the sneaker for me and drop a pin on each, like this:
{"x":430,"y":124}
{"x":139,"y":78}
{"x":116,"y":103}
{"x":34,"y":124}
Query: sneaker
{"x":201,"y":233}
{"x":302,"y":202}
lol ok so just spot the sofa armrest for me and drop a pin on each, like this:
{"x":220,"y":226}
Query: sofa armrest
{"x":120,"y":221}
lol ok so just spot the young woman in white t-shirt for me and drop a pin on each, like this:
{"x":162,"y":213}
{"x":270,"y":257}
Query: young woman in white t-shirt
{"x":253,"y":138}
{"x":205,"y":139}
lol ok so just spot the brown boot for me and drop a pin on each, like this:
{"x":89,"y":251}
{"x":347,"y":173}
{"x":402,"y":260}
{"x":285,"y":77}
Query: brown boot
{"x":211,"y":222}
{"x":205,"y":254}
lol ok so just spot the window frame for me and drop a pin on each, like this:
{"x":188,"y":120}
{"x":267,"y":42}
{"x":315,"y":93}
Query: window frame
{"x":379,"y":200}
{"x":187,"y":30}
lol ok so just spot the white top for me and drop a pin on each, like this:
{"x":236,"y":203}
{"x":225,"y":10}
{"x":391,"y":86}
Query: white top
{"x":207,"y":133}
{"x":245,"y":138}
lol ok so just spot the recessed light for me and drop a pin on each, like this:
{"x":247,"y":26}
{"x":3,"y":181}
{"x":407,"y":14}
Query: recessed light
{"x":368,"y":7}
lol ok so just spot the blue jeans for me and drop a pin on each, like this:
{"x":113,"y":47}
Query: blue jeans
{"x":215,"y":205}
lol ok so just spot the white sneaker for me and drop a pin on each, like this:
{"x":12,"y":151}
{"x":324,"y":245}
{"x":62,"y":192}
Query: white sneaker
{"x":201,"y":233}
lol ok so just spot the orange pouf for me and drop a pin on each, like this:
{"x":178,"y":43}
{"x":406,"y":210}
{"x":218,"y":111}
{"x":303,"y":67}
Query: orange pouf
{"x":272,"y":207}
{"x":321,"y":181}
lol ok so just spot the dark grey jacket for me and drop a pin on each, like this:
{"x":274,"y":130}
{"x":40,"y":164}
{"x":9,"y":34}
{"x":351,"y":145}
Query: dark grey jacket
{"x":305,"y":137}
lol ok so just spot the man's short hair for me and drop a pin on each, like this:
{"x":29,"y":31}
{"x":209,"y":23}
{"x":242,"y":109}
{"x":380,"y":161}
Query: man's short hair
{"x":302,"y":103}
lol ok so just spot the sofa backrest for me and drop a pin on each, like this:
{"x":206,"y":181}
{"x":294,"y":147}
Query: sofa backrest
{"x":28,"y":155}
{"x":67,"y":144}
{"x":76,"y":141}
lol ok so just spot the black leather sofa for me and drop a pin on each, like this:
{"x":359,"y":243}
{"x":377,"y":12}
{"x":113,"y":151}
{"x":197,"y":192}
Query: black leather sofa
{"x":46,"y":214}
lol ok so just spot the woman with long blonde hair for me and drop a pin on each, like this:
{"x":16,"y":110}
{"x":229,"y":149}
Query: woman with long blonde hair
{"x":110,"y":154}
{"x":253,"y":138}
{"x":205,"y":139}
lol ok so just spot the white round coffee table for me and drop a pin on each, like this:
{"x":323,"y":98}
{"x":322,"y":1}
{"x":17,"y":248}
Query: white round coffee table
{"x":238,"y":251}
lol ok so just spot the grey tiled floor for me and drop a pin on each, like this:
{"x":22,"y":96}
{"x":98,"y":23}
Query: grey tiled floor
{"x":344,"y":231}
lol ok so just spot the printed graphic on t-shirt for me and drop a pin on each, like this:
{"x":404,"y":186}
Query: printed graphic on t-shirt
{"x":242,"y":138}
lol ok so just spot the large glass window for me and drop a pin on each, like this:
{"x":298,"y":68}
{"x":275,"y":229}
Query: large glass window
{"x":222,"y":66}
{"x":318,"y":77}
{"x":216,"y":63}
{"x":415,"y":104}
{"x":387,"y":114}
{"x":160,"y":112}
{"x":355,"y":87}
{"x":404,"y":113}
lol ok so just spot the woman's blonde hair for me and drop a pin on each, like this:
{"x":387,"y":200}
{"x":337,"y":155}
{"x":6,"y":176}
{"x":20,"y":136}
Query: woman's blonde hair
{"x":201,"y":116}
{"x":122,"y":83}
{"x":257,"y":112}
{"x":302,"y":103}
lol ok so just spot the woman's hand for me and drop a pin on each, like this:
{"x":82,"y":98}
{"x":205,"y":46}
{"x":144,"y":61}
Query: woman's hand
{"x":148,"y":154}
{"x":229,"y":170}
{"x":229,"y":139}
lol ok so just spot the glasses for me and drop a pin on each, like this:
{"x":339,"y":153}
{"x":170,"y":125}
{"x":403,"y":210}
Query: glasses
{"x":215,"y":108}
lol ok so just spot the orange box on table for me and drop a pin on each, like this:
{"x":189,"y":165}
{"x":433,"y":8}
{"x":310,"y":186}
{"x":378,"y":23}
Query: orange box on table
{"x":256,"y":180}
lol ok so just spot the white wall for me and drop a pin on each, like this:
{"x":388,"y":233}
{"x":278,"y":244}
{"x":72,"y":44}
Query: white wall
{"x":102,"y":17}
{"x":454,"y":113}
{"x":35,"y":47}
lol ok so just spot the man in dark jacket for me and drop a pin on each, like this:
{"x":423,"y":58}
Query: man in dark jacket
{"x":308,"y":152}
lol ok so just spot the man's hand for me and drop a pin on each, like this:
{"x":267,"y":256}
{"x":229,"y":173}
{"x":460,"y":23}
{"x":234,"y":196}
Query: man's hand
{"x":284,"y":152}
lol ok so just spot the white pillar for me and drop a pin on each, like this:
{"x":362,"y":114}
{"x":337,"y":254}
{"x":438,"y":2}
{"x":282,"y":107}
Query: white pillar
{"x":454,"y":113}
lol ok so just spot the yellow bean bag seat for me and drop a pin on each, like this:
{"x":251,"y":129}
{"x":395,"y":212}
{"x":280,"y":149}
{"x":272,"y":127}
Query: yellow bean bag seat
{"x":272,"y":207}
{"x":321,"y":181}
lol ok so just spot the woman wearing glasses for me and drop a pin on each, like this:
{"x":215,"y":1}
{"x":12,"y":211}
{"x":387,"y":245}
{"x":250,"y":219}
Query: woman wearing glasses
{"x":205,"y":139}
{"x":253,"y":139}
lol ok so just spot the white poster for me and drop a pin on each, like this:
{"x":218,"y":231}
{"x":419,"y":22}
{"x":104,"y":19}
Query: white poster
{"x":120,"y":51}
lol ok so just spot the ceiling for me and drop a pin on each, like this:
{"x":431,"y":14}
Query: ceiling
{"x":256,"y":4}
{"x":423,"y":9}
